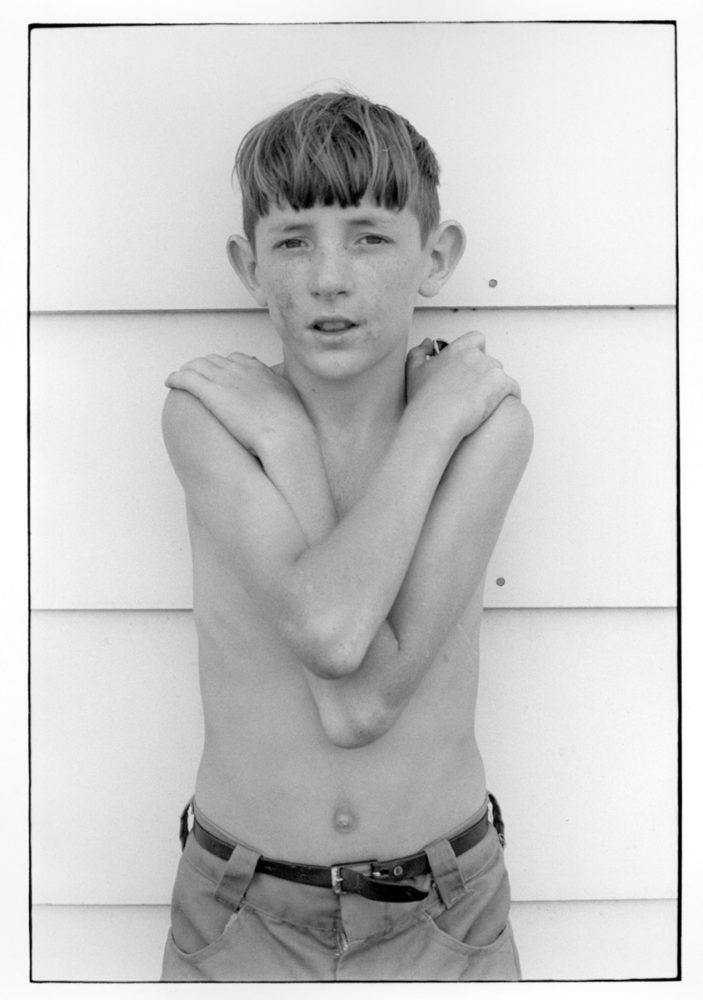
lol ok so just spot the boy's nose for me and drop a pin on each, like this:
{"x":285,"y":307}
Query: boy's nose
{"x":330,"y":274}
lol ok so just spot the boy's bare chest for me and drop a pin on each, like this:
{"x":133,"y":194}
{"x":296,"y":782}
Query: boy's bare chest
{"x":348,"y":472}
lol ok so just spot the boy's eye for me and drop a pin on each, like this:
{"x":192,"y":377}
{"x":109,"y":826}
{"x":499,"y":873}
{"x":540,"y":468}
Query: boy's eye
{"x":372,"y":239}
{"x":292,"y":243}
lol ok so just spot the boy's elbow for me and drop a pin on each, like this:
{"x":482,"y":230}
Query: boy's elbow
{"x":328,"y":649}
{"x":350,"y":727}
{"x":330,"y":658}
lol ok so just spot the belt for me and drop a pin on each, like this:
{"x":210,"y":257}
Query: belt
{"x":382,"y":882}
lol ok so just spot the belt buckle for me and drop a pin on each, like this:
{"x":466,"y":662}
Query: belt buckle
{"x":394,"y":874}
{"x":337,"y":879}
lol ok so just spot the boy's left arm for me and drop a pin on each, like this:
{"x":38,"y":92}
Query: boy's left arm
{"x":448,"y":566}
{"x":460,"y":532}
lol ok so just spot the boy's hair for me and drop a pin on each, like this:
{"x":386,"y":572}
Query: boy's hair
{"x":331,"y":149}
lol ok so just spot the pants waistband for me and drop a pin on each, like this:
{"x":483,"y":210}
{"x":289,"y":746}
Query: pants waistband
{"x":382,"y":880}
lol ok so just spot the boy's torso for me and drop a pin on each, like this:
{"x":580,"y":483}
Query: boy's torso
{"x":269,"y":775}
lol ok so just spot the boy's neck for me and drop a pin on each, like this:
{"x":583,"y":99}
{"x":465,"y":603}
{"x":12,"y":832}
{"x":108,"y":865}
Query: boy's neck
{"x":354,"y":410}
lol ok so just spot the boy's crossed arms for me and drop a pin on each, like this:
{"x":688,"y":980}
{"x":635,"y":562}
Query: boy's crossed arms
{"x":365,"y":597}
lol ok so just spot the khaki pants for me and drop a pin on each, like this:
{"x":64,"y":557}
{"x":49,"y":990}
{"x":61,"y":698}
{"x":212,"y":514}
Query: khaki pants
{"x":231,"y":924}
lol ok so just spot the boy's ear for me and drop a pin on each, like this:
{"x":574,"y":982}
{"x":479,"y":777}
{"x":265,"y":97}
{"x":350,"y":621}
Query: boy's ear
{"x":243,"y":259}
{"x":445,"y":249}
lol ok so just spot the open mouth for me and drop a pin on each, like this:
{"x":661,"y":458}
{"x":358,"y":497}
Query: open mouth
{"x":337,"y":324}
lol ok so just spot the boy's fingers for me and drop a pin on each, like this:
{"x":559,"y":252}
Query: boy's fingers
{"x":422,"y":347}
{"x":417,"y":355}
{"x":176,"y":380}
{"x":238,"y":356}
{"x":188,"y":380}
{"x":203,"y":366}
{"x":474,"y":338}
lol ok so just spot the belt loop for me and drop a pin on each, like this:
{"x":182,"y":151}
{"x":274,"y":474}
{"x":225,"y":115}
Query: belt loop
{"x":183,"y":826}
{"x":236,"y":877}
{"x":445,"y":871}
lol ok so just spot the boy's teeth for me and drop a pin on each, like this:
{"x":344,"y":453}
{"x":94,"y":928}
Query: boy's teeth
{"x":334,"y":326}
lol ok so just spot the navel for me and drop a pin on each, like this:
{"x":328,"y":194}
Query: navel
{"x":344,"y":820}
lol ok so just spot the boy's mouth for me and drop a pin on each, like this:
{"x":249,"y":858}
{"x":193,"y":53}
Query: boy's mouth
{"x":332,"y":324}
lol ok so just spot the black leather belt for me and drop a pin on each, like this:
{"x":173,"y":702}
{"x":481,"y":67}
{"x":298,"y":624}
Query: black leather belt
{"x":380,"y":884}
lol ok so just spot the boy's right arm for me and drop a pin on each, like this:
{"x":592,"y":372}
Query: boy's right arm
{"x":328,"y":595}
{"x":358,"y":566}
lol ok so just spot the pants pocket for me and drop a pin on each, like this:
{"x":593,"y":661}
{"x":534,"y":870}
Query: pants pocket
{"x":456,"y":960}
{"x":479,"y":918}
{"x":200,"y":923}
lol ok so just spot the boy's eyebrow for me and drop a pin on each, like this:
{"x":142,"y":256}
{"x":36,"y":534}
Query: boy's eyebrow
{"x":298,"y":227}
{"x":289,"y":227}
{"x":368,"y":219}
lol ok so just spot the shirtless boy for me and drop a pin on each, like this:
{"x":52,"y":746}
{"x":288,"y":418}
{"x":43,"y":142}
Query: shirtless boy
{"x":342,"y":509}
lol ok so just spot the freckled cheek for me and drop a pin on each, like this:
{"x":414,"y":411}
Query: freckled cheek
{"x":397,"y":284}
{"x":394,"y":302}
{"x":281,"y":303}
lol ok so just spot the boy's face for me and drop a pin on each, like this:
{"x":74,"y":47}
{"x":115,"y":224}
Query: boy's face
{"x":340,"y":283}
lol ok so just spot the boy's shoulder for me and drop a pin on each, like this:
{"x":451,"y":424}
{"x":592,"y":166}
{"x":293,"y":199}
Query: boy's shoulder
{"x":491,"y":461}
{"x":512,"y":418}
{"x":509,"y":429}
{"x":183,"y":420}
{"x":201,"y":450}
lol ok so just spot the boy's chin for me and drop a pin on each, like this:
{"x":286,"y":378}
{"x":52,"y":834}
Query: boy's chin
{"x":337,"y":365}
{"x":346,"y":357}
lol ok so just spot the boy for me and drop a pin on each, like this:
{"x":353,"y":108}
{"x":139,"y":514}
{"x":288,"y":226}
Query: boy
{"x":342,"y":509}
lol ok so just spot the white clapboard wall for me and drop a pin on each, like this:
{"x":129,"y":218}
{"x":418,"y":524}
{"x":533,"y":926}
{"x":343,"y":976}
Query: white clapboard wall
{"x":556,"y":142}
{"x":600,"y":385}
{"x":556,"y":145}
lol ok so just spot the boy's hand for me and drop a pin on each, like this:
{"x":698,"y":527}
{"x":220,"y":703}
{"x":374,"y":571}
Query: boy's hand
{"x":461,"y":386}
{"x":254,"y":403}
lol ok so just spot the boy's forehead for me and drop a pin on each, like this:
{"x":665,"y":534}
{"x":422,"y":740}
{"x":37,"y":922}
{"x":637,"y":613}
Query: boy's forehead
{"x":283,"y":216}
